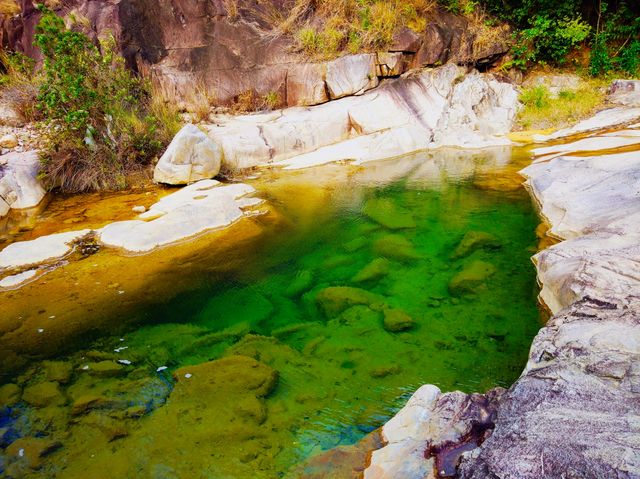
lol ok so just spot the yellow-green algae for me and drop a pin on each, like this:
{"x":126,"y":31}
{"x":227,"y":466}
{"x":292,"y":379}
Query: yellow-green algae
{"x":285,"y":336}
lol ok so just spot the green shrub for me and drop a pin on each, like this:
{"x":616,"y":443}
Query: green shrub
{"x":98,"y":118}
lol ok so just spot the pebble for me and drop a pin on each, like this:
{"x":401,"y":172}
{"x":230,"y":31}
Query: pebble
{"x":124,"y":361}
{"x":121,"y":348}
{"x":138,"y":209}
{"x":40,"y":330}
{"x":161,"y":368}
{"x":21,"y":453}
{"x":188,"y":375}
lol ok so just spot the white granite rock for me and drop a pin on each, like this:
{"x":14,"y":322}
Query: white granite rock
{"x":14,"y":280}
{"x":19,"y":184}
{"x":191,"y":156}
{"x":39,"y":250}
{"x":194,"y":209}
{"x":609,"y":118}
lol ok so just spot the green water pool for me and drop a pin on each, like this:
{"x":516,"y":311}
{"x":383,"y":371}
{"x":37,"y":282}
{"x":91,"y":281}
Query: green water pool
{"x":316,"y":340}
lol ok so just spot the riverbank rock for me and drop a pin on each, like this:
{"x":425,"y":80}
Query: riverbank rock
{"x":431,"y":432}
{"x":19,"y":184}
{"x":190,"y":157}
{"x":351,"y":74}
{"x":625,"y":92}
{"x":419,"y":110}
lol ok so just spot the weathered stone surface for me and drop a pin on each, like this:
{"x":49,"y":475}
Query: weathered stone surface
{"x":351,"y":74}
{"x":306,"y":84}
{"x":575,"y":410}
{"x":19,"y":184}
{"x":9,"y":394}
{"x":31,"y":451}
{"x":191,"y":156}
{"x":604,"y":119}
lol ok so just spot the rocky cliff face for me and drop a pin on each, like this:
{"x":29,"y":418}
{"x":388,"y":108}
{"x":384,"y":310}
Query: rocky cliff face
{"x":219,"y":50}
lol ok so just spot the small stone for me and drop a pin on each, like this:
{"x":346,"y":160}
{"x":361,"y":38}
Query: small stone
{"x":396,"y":320}
{"x":126,"y":362}
{"x":188,"y":375}
{"x":139,"y":209}
{"x":161,"y":368}
{"x":9,"y":141}
{"x":43,"y":394}
{"x":396,"y":247}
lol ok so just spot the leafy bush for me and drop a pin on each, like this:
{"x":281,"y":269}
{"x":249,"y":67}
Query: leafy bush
{"x":99,"y":122}
{"x":616,"y":42}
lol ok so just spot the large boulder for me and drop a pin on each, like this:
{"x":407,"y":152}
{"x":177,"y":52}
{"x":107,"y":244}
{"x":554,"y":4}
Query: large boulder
{"x":306,"y":84}
{"x":191,"y":156}
{"x":625,"y":92}
{"x":19,"y":184}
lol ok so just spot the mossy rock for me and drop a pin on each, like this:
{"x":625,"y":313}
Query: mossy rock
{"x":472,"y":277}
{"x":336,"y":299}
{"x":231,"y":375}
{"x":474,"y":240}
{"x":396,"y":247}
{"x":302,"y":283}
{"x":43,"y":394}
{"x":9,"y":394}
{"x":58,"y":371}
{"x":396,"y":320}
{"x":387,"y":213}
{"x":106,"y":369}
{"x":31,"y":451}
{"x":376,"y":269}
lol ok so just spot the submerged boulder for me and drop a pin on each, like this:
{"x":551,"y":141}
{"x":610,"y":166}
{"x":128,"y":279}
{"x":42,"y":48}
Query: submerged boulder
{"x":396,"y":320}
{"x":471,"y":278}
{"x":43,"y":394}
{"x":191,"y":156}
{"x":474,"y":240}
{"x":376,"y":269}
{"x":387,"y":213}
{"x":396,"y":247}
{"x":336,"y":299}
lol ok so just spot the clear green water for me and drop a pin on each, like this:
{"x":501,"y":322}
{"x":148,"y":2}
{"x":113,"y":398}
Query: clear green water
{"x":341,"y":372}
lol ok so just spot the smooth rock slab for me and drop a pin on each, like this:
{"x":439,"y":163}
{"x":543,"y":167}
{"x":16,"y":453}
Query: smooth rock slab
{"x":19,"y":184}
{"x":193,"y":210}
{"x":351,"y":74}
{"x":600,"y":121}
{"x":39,"y":250}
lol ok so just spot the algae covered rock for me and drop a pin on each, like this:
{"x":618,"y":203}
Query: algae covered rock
{"x":396,"y":247}
{"x":58,"y":371}
{"x":31,"y":451}
{"x":387,"y":213}
{"x":9,"y":394}
{"x":474,"y":240}
{"x":300,"y":284}
{"x":232,"y":374}
{"x":43,"y":394}
{"x":471,"y":277}
{"x":376,"y":269}
{"x":396,"y":320}
{"x":336,"y":299}
{"x":106,"y":369}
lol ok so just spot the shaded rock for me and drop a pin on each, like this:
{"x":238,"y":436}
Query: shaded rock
{"x":32,"y":450}
{"x":395,"y":247}
{"x":306,"y":84}
{"x":376,"y":269}
{"x":405,"y":40}
{"x":43,"y":394}
{"x":384,"y":371}
{"x":351,"y":74}
{"x":191,"y":156}
{"x":58,"y":371}
{"x":336,"y":299}
{"x":387,"y":213}
{"x":106,"y":369}
{"x":474,"y":240}
{"x":396,"y":320}
{"x":471,"y":278}
{"x":9,"y":394}
{"x":112,"y":429}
